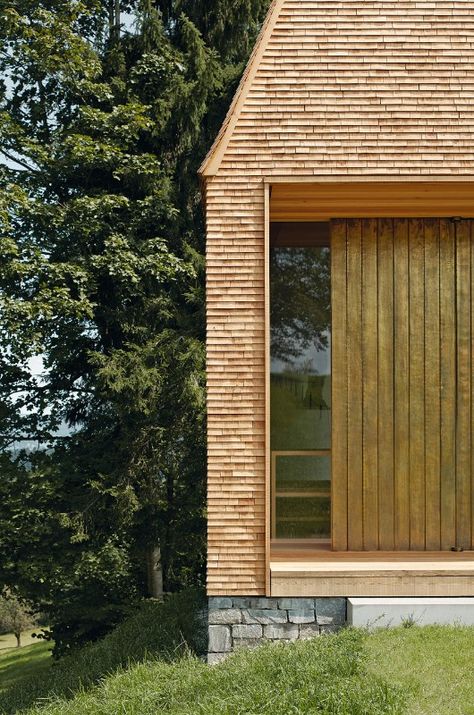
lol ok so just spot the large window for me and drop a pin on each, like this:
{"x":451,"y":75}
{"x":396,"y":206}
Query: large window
{"x":300,"y":383}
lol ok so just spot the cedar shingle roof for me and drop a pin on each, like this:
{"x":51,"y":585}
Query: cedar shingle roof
{"x":356,"y":87}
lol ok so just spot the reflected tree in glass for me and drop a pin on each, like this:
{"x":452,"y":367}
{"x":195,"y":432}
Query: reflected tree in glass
{"x":300,"y":329}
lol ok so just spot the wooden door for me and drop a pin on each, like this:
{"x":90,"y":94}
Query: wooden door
{"x":402,"y":394}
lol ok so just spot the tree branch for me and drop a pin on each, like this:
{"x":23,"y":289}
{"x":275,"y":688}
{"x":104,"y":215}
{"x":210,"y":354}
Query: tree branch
{"x":20,"y":162}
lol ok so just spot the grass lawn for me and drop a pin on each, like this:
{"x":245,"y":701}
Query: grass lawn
{"x":8,"y":640}
{"x":142,"y":668}
{"x":434,"y":665}
{"x":323,"y":676}
{"x":18,"y":664}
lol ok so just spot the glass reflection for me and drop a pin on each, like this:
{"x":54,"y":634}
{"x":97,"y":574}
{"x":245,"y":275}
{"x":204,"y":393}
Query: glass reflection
{"x":300,"y":389}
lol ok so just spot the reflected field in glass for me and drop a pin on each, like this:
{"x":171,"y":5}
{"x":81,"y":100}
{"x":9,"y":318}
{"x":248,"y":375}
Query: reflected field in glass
{"x":300,"y":391}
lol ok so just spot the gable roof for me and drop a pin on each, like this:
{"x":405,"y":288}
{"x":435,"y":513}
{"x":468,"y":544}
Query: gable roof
{"x":363,"y":85}
{"x":210,"y":164}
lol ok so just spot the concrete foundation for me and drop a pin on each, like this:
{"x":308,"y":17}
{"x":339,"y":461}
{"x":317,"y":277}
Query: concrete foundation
{"x":386,"y":612}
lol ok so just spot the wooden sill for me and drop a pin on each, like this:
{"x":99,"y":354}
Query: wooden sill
{"x":304,"y":571}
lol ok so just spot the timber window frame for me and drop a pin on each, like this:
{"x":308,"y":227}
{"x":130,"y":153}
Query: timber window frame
{"x":393,"y":199}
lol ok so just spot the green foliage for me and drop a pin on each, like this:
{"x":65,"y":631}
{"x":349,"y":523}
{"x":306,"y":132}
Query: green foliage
{"x":102,"y":128}
{"x":15,"y":615}
{"x":156,"y":630}
{"x":326,"y":676}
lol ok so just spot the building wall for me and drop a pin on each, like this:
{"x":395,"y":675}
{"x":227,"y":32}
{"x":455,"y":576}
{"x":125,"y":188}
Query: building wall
{"x":360,"y":88}
{"x":402,"y":384}
{"x":236,"y":387}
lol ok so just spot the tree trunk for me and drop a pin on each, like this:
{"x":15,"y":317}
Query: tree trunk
{"x":154,"y":572}
{"x":114,"y":20}
{"x":117,"y":18}
{"x":18,"y":640}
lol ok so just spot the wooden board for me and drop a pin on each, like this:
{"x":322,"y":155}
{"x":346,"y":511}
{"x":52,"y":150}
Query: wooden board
{"x":372,"y":584}
{"x":339,"y":506}
{"x":300,"y":572}
{"x":322,"y":201}
{"x":404,"y":350}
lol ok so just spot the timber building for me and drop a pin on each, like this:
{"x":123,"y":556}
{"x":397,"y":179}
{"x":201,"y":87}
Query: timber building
{"x":340,"y":291}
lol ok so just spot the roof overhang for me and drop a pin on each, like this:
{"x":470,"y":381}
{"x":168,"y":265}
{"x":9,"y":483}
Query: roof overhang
{"x":408,"y":197}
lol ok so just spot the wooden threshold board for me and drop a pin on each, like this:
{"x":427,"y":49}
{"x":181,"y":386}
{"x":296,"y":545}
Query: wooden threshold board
{"x":305,"y":572}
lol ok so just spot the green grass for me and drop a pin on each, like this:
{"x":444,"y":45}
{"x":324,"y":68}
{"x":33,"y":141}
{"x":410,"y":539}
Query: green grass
{"x":8,"y":640}
{"x":325,"y":676}
{"x":145,"y":667}
{"x":157,"y":630}
{"x":20,"y":664}
{"x":434,"y":665}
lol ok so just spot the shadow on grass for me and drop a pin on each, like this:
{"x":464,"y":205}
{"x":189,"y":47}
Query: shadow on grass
{"x":156,"y":630}
{"x":18,"y":664}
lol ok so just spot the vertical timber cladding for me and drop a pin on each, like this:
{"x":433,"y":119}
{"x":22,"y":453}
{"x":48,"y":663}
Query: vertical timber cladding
{"x":403,"y":383}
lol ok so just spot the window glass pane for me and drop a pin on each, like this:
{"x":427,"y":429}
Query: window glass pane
{"x":298,"y":518}
{"x":303,"y":493}
{"x":300,"y":330}
{"x":303,"y":473}
{"x":300,"y":388}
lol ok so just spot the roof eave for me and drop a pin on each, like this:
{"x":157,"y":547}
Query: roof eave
{"x":212,"y":162}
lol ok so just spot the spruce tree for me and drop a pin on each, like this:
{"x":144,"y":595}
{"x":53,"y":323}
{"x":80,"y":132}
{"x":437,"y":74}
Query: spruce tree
{"x":107,"y":109}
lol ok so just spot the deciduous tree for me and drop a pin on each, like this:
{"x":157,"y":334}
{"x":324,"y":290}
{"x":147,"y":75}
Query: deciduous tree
{"x":15,"y":616}
{"x":106,"y":110}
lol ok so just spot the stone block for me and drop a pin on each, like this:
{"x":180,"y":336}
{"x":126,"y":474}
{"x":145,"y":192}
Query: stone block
{"x":265,"y":617}
{"x":277,"y":631}
{"x":215,"y":658}
{"x":263,"y":603}
{"x":225,"y":616}
{"x":241,"y":602}
{"x":220,"y":640}
{"x":247,"y":631}
{"x":310,"y":630}
{"x":219,"y":602}
{"x":329,"y":629}
{"x":301,"y":615}
{"x":249,"y":643}
{"x":296,"y":603}
{"x":330,"y":611}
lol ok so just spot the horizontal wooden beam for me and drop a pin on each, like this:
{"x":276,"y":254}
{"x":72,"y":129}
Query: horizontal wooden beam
{"x":322,"y":201}
{"x":371,"y":573}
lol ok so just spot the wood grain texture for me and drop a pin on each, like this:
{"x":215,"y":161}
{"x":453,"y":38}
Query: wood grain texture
{"x":321,"y":201}
{"x":406,"y":346}
{"x":448,"y":384}
{"x":416,"y":312}
{"x":339,"y":397}
{"x":463,"y":384}
{"x":300,"y":572}
{"x":401,"y":338}
{"x":370,"y":401}
{"x":372,"y":584}
{"x":353,"y":280}
{"x":379,"y":87}
{"x":370,"y":93}
{"x":432,"y":387}
{"x":237,"y":491}
{"x":385,"y":388}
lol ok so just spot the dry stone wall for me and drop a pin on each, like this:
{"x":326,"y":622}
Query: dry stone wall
{"x":245,"y":622}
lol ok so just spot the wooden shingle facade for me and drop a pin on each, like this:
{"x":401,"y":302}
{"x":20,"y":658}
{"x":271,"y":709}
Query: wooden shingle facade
{"x":358,"y":114}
